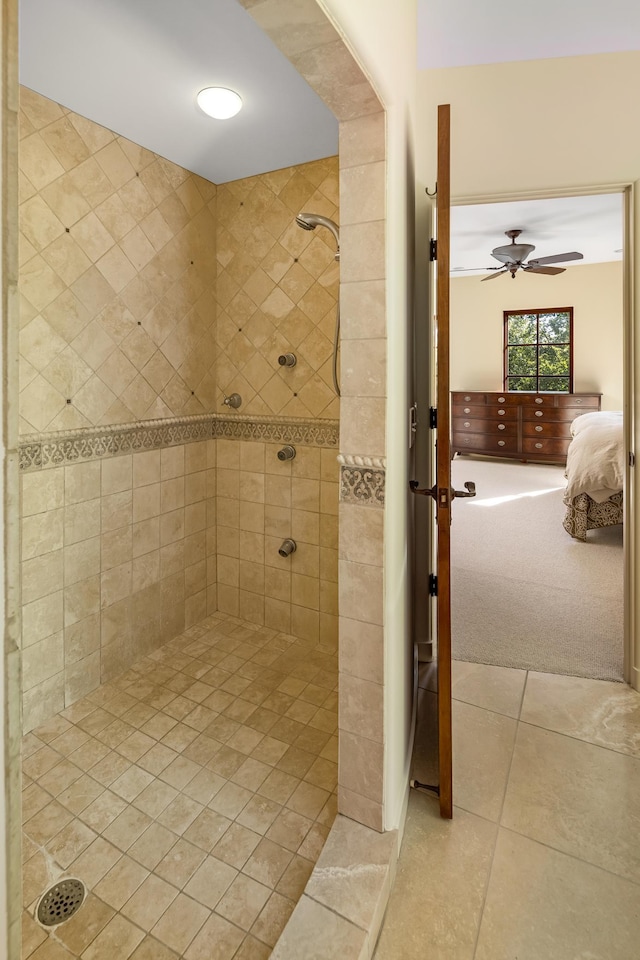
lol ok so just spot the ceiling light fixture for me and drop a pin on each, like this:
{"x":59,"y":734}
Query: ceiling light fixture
{"x":219,"y":102}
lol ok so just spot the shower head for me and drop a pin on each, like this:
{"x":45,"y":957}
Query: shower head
{"x":309,"y":221}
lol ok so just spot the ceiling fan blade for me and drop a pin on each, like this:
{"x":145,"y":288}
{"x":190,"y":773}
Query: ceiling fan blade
{"x":534,"y":268}
{"x":557,"y":258}
{"x":492,"y":276}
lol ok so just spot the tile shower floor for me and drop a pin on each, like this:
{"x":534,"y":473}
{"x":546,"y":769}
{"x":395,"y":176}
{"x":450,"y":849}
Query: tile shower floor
{"x":192,"y":796}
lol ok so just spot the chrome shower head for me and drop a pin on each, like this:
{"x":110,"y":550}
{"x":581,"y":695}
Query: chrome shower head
{"x":309,"y":221}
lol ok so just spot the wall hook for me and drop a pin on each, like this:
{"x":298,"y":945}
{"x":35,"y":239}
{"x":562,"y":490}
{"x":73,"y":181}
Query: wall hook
{"x":426,"y":190}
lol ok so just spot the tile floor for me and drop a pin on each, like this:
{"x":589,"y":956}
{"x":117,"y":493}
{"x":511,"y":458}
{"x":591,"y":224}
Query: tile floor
{"x":542,"y":858}
{"x":192,"y":796}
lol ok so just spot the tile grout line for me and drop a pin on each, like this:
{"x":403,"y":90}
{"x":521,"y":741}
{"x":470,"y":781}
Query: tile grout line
{"x":572,"y":856}
{"x":498,"y":821}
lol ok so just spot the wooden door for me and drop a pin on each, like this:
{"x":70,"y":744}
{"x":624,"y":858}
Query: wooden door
{"x":443,"y":491}
{"x":440,"y":491}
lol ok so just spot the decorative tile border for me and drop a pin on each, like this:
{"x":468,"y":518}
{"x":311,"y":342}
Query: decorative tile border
{"x":38,"y":451}
{"x":362,"y":480}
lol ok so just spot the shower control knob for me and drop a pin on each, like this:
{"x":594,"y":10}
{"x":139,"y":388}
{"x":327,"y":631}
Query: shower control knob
{"x":287,"y":452}
{"x":287,"y":360}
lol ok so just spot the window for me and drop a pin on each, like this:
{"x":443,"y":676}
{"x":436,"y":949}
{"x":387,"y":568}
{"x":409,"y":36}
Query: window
{"x":538,"y":350}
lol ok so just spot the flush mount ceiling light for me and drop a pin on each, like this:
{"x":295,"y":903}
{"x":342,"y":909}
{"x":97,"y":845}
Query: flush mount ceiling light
{"x":219,"y":103}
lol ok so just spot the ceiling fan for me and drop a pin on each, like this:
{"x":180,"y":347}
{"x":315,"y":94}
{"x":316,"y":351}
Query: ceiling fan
{"x":513,"y":257}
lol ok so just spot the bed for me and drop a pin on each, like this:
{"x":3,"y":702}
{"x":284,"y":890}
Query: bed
{"x":595,"y":473}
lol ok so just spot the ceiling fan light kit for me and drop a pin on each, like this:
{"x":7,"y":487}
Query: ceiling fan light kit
{"x":513,"y":257}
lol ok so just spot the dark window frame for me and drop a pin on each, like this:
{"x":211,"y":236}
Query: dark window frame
{"x":505,"y":332}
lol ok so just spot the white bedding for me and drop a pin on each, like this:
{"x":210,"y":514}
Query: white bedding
{"x":595,"y":461}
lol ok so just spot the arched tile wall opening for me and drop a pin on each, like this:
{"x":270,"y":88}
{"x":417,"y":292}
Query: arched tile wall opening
{"x":312,"y":44}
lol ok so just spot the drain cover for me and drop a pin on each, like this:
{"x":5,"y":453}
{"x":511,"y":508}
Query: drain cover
{"x":60,"y":902}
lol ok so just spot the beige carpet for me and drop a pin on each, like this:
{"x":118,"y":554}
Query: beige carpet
{"x":524,"y":593}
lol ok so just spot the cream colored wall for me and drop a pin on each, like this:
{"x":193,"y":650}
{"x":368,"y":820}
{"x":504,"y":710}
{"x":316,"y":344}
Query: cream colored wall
{"x":582,"y":137}
{"x":593,"y":290}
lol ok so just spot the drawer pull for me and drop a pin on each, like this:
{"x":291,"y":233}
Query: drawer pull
{"x":538,"y":446}
{"x":466,"y":439}
{"x":467,"y":410}
{"x":538,"y":428}
{"x":501,"y":443}
{"x":467,"y":424}
{"x":539,"y":413}
{"x":578,"y":401}
{"x":467,"y":399}
{"x":501,"y":426}
{"x":501,"y":413}
{"x":500,"y":399}
{"x":539,"y":400}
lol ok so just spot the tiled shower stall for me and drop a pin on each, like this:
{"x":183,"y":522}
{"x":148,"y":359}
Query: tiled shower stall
{"x":131,"y":299}
{"x":147,"y":295}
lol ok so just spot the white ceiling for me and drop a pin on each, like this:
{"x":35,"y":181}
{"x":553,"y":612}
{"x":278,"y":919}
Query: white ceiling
{"x":592,"y":225}
{"x":135,"y":66}
{"x":458,"y":33}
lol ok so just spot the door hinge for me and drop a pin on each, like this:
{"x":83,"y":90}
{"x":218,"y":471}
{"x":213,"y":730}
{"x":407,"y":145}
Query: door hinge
{"x":413,"y":423}
{"x":433,"y":249}
{"x":433,"y":418}
{"x":433,"y":585}
{"x":632,"y":459}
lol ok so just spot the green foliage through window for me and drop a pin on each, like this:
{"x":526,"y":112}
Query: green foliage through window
{"x":538,"y":350}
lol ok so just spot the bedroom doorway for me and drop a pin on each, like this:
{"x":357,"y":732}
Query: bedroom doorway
{"x":525,"y":594}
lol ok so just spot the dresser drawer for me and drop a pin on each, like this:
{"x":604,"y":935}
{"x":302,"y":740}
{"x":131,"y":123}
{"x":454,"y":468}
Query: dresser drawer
{"x":469,"y":397}
{"x":545,"y":447}
{"x":552,"y":428}
{"x":506,"y":428}
{"x":543,"y":414}
{"x":480,"y":441}
{"x":537,"y":399}
{"x":502,"y":413}
{"x":469,"y":410}
{"x":591,"y":402}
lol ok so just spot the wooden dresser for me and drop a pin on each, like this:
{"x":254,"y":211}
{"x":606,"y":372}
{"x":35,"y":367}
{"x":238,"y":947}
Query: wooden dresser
{"x":526,"y":426}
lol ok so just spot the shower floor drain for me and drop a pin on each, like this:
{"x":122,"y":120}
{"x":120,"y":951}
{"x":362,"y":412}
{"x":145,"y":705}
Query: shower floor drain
{"x":60,"y":902}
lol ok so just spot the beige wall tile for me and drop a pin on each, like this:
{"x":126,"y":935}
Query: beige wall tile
{"x":42,"y":491}
{"x":362,"y":188}
{"x":42,"y":660}
{"x":81,"y":561}
{"x":361,"y":534}
{"x":359,"y":808}
{"x":42,"y":701}
{"x":362,"y":426}
{"x":42,"y":533}
{"x":362,"y":140}
{"x":81,"y":482}
{"x":82,"y":521}
{"x":361,"y":650}
{"x":361,"y":591}
{"x":361,"y":707}
{"x":42,"y":576}
{"x":122,"y":225}
{"x":360,"y":766}
{"x":42,"y":618}
{"x":146,"y":468}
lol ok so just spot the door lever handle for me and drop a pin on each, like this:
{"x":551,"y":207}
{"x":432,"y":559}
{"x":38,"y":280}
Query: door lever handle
{"x":422,"y":491}
{"x":470,"y":490}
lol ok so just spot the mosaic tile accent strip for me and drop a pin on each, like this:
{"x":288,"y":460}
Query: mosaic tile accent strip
{"x":314,"y":433}
{"x":363,"y":485}
{"x":38,"y":452}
